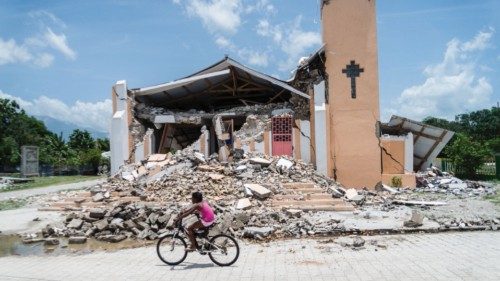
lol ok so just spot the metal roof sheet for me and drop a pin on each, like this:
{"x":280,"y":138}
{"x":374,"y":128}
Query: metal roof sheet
{"x":428,"y":141}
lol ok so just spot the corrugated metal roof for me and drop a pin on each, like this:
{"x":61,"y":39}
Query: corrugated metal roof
{"x":195,"y":84}
{"x":428,"y":141}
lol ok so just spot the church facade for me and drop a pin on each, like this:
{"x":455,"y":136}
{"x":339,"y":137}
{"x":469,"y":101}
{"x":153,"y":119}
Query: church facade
{"x":327,"y":114}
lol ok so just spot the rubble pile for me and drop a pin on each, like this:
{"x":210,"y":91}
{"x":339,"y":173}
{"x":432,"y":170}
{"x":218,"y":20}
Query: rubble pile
{"x":194,"y":116}
{"x":437,"y":181}
{"x":113,"y":224}
{"x":239,"y":192}
{"x":4,"y":183}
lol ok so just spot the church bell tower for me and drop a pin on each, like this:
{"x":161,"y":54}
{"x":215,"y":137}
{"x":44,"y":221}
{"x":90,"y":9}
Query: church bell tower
{"x":349,"y":33}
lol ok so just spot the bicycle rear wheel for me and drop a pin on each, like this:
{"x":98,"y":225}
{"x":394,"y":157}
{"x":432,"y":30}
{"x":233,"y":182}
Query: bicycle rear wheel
{"x":224,"y":250}
{"x":171,"y":250}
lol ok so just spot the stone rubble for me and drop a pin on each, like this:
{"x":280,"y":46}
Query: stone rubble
{"x":142,"y":200}
{"x":145,"y":208}
{"x":436,"y":181}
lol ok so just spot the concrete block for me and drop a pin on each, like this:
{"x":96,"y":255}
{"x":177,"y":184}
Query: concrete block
{"x":258,"y":190}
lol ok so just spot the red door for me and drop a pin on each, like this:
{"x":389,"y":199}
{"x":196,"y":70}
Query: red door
{"x":282,"y":136}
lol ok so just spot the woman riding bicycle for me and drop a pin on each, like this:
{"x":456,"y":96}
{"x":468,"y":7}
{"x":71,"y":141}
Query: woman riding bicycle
{"x":206,"y":214}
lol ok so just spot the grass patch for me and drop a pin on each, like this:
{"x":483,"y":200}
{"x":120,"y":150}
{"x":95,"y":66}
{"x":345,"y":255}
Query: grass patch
{"x":48,"y":181}
{"x":12,"y":204}
{"x":495,"y":199}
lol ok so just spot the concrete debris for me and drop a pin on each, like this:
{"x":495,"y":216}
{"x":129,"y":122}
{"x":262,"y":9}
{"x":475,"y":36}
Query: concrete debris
{"x":244,"y":204}
{"x":5,"y":183}
{"x":358,"y":199}
{"x":260,"y":161}
{"x":382,"y":187}
{"x":416,"y":219}
{"x":258,"y":190}
{"x":351,"y":242}
{"x":419,"y":203}
{"x":257,"y":231}
{"x":51,"y":241}
{"x":436,"y":181}
{"x":284,"y":164}
{"x":77,"y":240}
{"x":75,"y":223}
{"x":254,"y":196}
{"x":98,"y":197}
{"x":351,"y":193}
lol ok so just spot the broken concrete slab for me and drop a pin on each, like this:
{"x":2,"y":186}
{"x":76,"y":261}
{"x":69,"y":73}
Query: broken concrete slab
{"x":295,"y":213}
{"x":98,"y":197}
{"x":416,"y":219}
{"x":358,"y":242}
{"x":284,"y":164}
{"x":419,"y":203}
{"x":199,"y":157}
{"x":77,"y":239}
{"x":243,"y":204}
{"x":216,"y":177}
{"x":97,"y":213}
{"x":358,"y":199}
{"x":51,"y":241}
{"x":383,"y":187}
{"x":142,"y":171}
{"x":351,"y":193}
{"x":157,"y":157}
{"x":252,"y":231}
{"x":101,"y":225}
{"x":258,"y":190}
{"x":260,"y":161}
{"x":75,"y":223}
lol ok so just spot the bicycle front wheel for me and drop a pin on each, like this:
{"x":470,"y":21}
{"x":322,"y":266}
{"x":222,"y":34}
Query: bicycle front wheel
{"x":171,"y":250}
{"x":224,"y":250}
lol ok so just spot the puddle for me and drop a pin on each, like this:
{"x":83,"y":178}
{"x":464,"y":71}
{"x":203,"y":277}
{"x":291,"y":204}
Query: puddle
{"x":11,"y":245}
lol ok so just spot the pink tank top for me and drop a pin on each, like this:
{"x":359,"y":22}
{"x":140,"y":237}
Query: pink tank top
{"x":206,"y":212}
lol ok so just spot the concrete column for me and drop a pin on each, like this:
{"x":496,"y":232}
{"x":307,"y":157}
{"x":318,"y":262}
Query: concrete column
{"x":119,"y":141}
{"x":320,"y":128}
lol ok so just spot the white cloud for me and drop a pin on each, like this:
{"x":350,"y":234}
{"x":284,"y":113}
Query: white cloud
{"x":265,"y":29}
{"x":34,"y":49}
{"x":453,"y":86}
{"x":11,"y":52}
{"x":254,"y":57}
{"x":216,"y":15}
{"x":44,"y":60}
{"x":260,"y":6}
{"x":43,"y":18}
{"x":95,"y":116}
{"x":291,"y":39}
{"x":59,"y":43}
{"x":224,"y":43}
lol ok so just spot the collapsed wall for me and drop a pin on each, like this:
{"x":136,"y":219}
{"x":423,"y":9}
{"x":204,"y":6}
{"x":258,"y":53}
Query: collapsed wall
{"x":247,"y":128}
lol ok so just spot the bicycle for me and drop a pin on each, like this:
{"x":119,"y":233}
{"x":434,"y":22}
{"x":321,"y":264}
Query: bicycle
{"x":171,"y":247}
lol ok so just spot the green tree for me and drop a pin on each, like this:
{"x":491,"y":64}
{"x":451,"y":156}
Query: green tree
{"x":102,"y":144}
{"x":81,"y":140}
{"x":17,"y":129}
{"x":481,"y":125}
{"x":467,"y":155}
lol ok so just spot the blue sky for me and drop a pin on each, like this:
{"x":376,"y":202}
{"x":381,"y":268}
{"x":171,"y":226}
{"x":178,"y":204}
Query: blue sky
{"x":60,"y":58}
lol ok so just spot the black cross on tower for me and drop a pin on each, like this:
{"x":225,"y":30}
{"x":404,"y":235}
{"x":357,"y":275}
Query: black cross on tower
{"x":352,"y":71}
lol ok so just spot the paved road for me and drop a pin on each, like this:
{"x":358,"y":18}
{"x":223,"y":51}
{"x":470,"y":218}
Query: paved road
{"x":443,"y":256}
{"x":49,"y":189}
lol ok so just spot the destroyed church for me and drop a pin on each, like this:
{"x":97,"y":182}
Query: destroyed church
{"x":327,"y":114}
